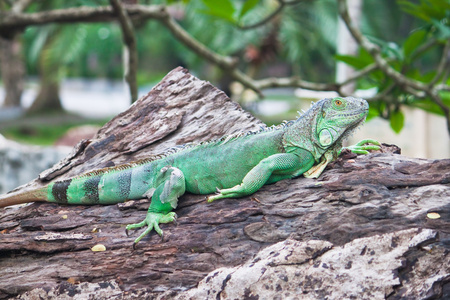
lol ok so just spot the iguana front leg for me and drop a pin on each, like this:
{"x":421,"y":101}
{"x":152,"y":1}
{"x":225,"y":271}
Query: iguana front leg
{"x":278,"y":166}
{"x":361,"y":147}
{"x":170,"y":185}
{"x":317,"y":170}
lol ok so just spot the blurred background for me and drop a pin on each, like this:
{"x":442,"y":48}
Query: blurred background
{"x":67,"y":67}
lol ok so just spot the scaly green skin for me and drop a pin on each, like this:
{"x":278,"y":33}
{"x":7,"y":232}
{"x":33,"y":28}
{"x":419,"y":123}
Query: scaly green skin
{"x":234,"y":166}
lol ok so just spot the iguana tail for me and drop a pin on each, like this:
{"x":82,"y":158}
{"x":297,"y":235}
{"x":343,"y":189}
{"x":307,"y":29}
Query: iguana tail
{"x":24,"y":197}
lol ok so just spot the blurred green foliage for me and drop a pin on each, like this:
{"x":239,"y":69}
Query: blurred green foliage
{"x":303,"y":39}
{"x":415,"y":55}
{"x":95,"y":49}
{"x":42,"y":131}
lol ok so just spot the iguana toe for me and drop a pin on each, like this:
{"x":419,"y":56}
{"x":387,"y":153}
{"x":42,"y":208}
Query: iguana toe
{"x":214,"y":197}
{"x":152,"y":221}
{"x":368,"y":141}
{"x":363,"y":147}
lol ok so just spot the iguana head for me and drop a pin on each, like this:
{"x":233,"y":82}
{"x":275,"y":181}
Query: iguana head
{"x":325,"y":125}
{"x":337,"y":118}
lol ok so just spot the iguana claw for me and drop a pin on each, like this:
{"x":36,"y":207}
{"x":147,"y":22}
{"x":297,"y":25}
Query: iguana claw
{"x":152,"y":221}
{"x":362,"y":147}
{"x":219,"y":195}
{"x":175,"y":219}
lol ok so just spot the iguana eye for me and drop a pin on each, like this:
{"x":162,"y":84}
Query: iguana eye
{"x":338,"y":102}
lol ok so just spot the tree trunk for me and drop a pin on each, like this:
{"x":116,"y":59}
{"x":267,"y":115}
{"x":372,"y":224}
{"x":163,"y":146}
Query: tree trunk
{"x":12,"y":70}
{"x":47,"y":99}
{"x":346,"y":45}
{"x":365,"y":218}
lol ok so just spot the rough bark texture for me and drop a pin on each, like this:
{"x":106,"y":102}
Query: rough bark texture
{"x":361,"y":230}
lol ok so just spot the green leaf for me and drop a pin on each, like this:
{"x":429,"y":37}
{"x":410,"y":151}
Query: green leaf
{"x":426,"y":10}
{"x":248,"y":5}
{"x":413,"y":41}
{"x":373,"y":113}
{"x":41,"y":36}
{"x":443,"y":31}
{"x":397,"y":121}
{"x":389,"y":49}
{"x":427,"y":105}
{"x":363,"y":59}
{"x":351,"y":60}
{"x":366,"y":84}
{"x":413,"y":10}
{"x":365,"y":56}
{"x":427,"y":77}
{"x":223,"y":9}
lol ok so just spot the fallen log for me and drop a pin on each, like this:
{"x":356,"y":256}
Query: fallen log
{"x":378,"y":204}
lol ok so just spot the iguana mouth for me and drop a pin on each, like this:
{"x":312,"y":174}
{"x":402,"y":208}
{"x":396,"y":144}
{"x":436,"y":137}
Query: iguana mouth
{"x":356,"y":116}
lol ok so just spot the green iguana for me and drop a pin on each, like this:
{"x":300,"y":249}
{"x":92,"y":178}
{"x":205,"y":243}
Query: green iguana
{"x":234,"y":166}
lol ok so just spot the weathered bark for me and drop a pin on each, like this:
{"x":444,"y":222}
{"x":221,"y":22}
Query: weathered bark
{"x":46,"y":247}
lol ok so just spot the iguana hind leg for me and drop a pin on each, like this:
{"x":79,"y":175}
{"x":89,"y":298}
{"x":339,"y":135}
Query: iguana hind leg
{"x":170,"y":185}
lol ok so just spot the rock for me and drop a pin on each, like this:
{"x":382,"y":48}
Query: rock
{"x":366,"y":268}
{"x":20,"y":163}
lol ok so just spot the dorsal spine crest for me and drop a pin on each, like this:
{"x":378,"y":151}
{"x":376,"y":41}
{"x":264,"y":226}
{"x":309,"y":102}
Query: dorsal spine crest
{"x":178,"y":148}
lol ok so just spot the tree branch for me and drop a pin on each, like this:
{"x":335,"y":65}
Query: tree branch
{"x":361,"y":73}
{"x":225,"y":62}
{"x":442,"y":64}
{"x":443,"y":87}
{"x":375,"y":51}
{"x":425,"y":47}
{"x":436,"y":99}
{"x":269,"y":17}
{"x":295,"y":82}
{"x":77,"y":15}
{"x":130,"y":41}
{"x":383,"y":94}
